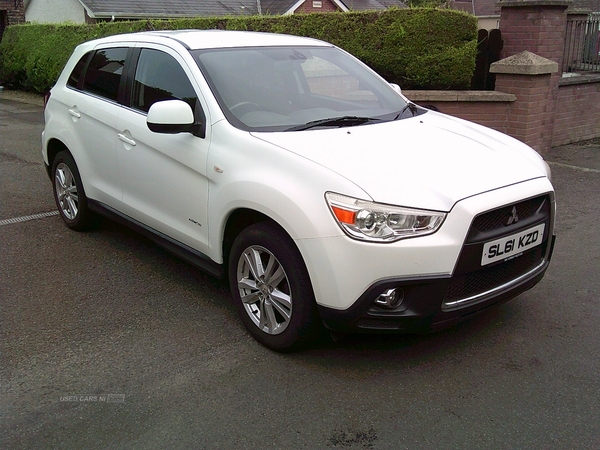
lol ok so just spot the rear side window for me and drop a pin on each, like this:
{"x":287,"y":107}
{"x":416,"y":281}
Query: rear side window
{"x":158,"y":77}
{"x":77,"y":71}
{"x":103,"y":75}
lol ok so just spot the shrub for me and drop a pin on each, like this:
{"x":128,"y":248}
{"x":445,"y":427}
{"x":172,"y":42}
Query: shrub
{"x":416,"y":48}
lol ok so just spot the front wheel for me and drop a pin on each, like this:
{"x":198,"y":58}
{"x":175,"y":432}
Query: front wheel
{"x":69,"y":194}
{"x":271,"y":288}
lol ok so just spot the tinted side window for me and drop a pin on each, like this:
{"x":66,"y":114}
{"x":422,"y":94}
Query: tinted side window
{"x":104,"y":72}
{"x":159,"y":76}
{"x":76,"y":73}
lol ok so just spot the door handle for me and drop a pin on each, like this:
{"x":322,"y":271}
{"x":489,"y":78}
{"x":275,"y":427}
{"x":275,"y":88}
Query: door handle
{"x":74,"y":113}
{"x":126,"y":139}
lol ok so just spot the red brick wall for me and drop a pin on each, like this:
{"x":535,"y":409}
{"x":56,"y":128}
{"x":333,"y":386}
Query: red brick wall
{"x":490,"y":114}
{"x":577,"y":115}
{"x":531,"y":115}
{"x":14,"y":9}
{"x":12,"y":12}
{"x":546,"y":109}
{"x":307,"y":7}
{"x":540,"y":30}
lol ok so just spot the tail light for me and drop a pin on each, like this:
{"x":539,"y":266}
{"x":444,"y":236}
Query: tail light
{"x":46,"y":99}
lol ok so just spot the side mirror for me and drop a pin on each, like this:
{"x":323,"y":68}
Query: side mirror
{"x":397,"y":88}
{"x":170,"y":117}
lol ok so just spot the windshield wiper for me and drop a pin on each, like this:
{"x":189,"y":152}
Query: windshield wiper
{"x":413,"y":109}
{"x":343,"y":121}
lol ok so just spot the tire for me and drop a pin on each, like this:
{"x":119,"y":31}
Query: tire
{"x":69,"y":194}
{"x":272,"y":290}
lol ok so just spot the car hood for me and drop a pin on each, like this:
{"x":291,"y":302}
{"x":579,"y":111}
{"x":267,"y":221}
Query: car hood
{"x":431,"y":161}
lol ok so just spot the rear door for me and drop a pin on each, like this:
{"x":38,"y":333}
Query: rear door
{"x":163,"y":175}
{"x":92,"y":104}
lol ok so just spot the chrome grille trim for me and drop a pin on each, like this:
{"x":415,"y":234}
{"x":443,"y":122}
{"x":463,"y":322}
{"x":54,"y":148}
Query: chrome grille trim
{"x":468,"y":301}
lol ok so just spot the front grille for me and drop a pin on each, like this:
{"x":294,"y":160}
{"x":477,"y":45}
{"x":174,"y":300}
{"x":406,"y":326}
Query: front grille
{"x":496,"y":219}
{"x":489,"y":278}
{"x":472,"y":282}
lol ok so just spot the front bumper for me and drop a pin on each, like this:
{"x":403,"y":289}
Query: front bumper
{"x":442,"y":277}
{"x":426,"y":307}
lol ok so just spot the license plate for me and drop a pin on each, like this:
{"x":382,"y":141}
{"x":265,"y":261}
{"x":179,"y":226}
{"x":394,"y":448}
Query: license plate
{"x":512,"y":246}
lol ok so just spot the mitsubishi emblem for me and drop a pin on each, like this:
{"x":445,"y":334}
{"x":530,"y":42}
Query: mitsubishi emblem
{"x":513,"y":218}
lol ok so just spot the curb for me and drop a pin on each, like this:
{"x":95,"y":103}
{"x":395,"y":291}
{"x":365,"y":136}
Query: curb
{"x":23,"y":97}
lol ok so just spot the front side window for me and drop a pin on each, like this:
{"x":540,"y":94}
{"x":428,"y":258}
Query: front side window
{"x":158,"y":77}
{"x":104,"y":72}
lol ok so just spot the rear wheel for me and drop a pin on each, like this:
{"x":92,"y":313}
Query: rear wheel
{"x":271,"y":288}
{"x":69,"y":194}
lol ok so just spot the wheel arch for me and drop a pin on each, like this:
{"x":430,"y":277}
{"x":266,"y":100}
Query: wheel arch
{"x":53,"y":148}
{"x":268,"y":237}
{"x":239,"y":220}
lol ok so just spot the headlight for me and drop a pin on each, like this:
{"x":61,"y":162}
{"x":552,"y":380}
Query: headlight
{"x":376,"y":222}
{"x":548,"y":171}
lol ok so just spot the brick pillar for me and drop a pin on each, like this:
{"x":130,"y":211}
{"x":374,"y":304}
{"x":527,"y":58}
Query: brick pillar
{"x":537,"y":26}
{"x":14,"y":10}
{"x":529,"y":77}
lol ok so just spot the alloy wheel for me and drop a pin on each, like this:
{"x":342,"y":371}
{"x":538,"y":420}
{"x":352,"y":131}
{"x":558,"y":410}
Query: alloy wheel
{"x":66,"y":191}
{"x":264,"y":290}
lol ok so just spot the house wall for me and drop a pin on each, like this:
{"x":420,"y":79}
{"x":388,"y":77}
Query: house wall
{"x":310,"y":6}
{"x":55,"y":11}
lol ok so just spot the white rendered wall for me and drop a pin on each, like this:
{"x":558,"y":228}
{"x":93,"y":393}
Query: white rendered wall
{"x":55,"y":11}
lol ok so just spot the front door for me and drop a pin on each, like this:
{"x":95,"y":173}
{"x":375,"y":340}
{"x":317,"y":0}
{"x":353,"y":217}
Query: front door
{"x":163,"y":175}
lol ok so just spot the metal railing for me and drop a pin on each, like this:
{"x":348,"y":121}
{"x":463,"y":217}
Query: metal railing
{"x":582,"y":45}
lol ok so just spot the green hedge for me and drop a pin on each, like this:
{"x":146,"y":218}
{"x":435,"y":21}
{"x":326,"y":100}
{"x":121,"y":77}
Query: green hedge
{"x":416,"y":48}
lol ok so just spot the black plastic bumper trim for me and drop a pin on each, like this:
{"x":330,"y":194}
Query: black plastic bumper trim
{"x":421,"y":311}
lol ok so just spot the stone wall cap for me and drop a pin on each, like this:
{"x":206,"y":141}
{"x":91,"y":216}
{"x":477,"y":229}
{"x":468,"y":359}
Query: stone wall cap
{"x":534,"y":2}
{"x":578,"y":12}
{"x":525,"y":63}
{"x":458,"y":96}
{"x":569,"y":79}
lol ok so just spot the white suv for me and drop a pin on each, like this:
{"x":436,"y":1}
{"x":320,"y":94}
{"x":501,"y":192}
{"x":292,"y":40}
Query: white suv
{"x":288,"y":166}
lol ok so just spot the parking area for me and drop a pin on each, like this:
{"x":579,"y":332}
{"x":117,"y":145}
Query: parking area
{"x":107,"y":341}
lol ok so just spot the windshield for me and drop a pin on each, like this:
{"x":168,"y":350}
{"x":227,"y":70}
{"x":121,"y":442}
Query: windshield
{"x":287,"y":89}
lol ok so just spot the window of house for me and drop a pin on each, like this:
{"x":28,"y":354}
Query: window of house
{"x":104,"y":72}
{"x":158,"y":77}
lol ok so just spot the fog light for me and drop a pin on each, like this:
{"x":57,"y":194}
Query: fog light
{"x":390,"y":299}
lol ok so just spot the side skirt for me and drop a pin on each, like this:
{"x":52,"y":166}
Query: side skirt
{"x":177,"y":248}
